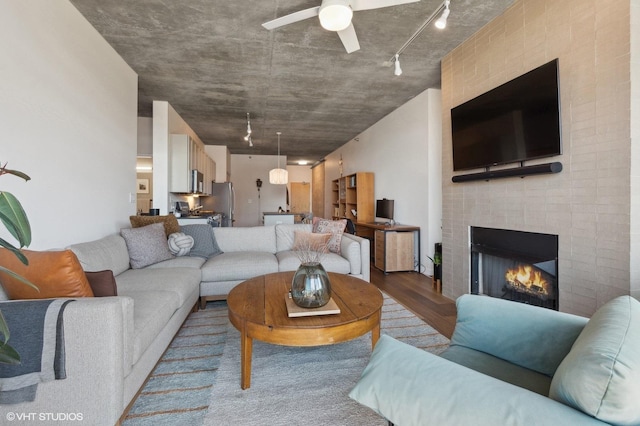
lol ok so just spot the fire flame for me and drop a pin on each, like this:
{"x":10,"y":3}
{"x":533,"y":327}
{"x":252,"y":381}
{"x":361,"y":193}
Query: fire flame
{"x":527,"y":278}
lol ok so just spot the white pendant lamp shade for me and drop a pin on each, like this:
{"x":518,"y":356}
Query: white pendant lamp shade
{"x":335,"y":15}
{"x":278,"y":176}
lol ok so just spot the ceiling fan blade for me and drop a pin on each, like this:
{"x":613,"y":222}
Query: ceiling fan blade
{"x":349,"y":39}
{"x":291,"y":18}
{"x":377,"y":4}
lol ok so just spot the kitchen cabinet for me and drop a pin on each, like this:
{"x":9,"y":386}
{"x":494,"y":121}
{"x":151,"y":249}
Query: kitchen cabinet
{"x":186,"y":154}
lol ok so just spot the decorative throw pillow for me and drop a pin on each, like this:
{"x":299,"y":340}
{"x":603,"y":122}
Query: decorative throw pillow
{"x":308,"y":241}
{"x":170,"y":222}
{"x":55,"y":273}
{"x":204,"y":242}
{"x":333,"y":227}
{"x":103,"y":283}
{"x":600,"y":375}
{"x":146,"y":245}
{"x":180,"y":243}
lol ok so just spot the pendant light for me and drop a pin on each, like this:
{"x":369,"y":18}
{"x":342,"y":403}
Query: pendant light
{"x":278,"y":176}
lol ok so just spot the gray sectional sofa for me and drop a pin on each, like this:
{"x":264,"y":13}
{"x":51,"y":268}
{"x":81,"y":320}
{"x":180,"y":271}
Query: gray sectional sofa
{"x":113,"y":343}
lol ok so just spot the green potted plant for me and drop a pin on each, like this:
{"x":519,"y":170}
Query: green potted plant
{"x":15,"y":221}
{"x":437,"y":267}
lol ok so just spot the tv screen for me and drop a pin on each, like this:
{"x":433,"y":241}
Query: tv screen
{"x":517,"y":121}
{"x":384,"y":209}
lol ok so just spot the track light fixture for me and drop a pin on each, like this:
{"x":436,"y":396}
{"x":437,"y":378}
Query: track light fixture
{"x":398,"y":70}
{"x":247,"y":138}
{"x":441,"y":23}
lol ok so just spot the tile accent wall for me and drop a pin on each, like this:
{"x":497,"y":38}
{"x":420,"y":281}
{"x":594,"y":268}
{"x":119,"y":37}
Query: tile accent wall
{"x":589,"y":204}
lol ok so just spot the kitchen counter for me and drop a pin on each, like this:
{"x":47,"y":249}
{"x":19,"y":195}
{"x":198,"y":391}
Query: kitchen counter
{"x":275,"y":218}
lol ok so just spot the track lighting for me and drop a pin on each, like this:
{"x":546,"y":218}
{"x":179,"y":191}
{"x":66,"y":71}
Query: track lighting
{"x":441,"y":23}
{"x":247,"y":138}
{"x":398,"y":70}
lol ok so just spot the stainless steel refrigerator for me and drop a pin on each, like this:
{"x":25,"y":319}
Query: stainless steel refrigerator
{"x":221,"y":201}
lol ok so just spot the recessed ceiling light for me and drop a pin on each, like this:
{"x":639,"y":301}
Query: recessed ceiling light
{"x":303,"y":162}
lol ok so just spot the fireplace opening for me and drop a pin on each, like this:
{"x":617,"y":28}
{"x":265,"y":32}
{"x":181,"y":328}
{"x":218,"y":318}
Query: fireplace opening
{"x":515,"y":265}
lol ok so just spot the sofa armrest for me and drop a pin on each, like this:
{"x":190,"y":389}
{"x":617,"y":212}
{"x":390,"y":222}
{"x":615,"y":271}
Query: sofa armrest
{"x":94,"y":345}
{"x":364,"y":253}
{"x":409,"y":386}
{"x":528,"y":336}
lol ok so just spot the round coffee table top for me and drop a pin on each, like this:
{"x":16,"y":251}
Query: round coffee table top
{"x":257,"y":308}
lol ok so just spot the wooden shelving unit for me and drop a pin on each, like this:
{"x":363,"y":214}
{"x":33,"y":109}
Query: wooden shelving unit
{"x":353,"y":193}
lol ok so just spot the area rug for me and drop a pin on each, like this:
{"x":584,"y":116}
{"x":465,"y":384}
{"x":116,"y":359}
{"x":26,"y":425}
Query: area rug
{"x":307,"y":386}
{"x":179,"y":388}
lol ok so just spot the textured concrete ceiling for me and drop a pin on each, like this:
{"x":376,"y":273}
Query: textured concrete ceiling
{"x":214,"y":62}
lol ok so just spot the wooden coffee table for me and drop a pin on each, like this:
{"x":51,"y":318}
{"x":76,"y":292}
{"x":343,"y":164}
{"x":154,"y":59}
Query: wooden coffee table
{"x":257,"y":309}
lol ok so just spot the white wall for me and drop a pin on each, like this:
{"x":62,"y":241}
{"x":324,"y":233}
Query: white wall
{"x":251,"y":203}
{"x":403,"y":150}
{"x":68,"y":108}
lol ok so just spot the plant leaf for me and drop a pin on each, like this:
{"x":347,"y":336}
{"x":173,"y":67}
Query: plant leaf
{"x":14,"y":218}
{"x":18,"y":277}
{"x":8,"y":355}
{"x":15,"y":251}
{"x":17,"y":173}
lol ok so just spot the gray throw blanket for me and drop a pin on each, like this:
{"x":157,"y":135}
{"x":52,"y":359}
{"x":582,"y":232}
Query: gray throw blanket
{"x":37,"y":333}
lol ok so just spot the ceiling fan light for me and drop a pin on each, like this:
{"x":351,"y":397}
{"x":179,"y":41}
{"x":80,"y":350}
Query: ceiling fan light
{"x":335,"y":15}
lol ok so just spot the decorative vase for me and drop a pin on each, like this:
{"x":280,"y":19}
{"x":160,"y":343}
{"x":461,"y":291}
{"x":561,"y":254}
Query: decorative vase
{"x":310,"y":287}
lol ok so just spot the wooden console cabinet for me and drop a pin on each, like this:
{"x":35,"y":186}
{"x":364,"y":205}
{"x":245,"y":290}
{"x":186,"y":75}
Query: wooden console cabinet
{"x":393,"y":247}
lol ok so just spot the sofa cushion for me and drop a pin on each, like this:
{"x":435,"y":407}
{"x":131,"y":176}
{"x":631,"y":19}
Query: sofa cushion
{"x":204,"y":242}
{"x":180,"y":262}
{"x":499,"y":368}
{"x":152,"y":311}
{"x":285,"y":234}
{"x":350,"y":250}
{"x":409,"y":386}
{"x":601,"y":374}
{"x":169,"y":222}
{"x":55,"y":273}
{"x":146,"y":245}
{"x":310,"y":241}
{"x":331,"y":262}
{"x":181,"y":282}
{"x":253,"y":239}
{"x":106,"y":253}
{"x":529,"y":336}
{"x":334,"y":227}
{"x":103,"y":283}
{"x":231,"y":266}
{"x":180,"y":244}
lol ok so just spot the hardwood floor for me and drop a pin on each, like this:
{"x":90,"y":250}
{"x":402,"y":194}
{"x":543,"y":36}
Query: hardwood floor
{"x":414,"y":291}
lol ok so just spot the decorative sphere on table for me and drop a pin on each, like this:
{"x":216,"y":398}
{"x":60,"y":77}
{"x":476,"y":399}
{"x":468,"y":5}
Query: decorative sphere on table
{"x":310,"y":287}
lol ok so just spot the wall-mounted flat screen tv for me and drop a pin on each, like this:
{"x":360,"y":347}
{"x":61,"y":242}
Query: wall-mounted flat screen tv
{"x":515,"y":122}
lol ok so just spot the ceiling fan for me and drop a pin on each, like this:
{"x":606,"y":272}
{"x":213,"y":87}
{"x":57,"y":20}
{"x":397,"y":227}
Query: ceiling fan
{"x":335,"y":15}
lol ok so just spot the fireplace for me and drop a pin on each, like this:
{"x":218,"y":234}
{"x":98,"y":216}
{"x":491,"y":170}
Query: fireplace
{"x":515,"y":265}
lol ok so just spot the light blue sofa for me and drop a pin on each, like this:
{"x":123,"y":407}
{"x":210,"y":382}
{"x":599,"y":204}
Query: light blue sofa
{"x":513,"y":364}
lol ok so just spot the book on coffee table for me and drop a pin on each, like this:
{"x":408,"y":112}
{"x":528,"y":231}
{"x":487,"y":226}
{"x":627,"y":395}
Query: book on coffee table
{"x":294,"y":310}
